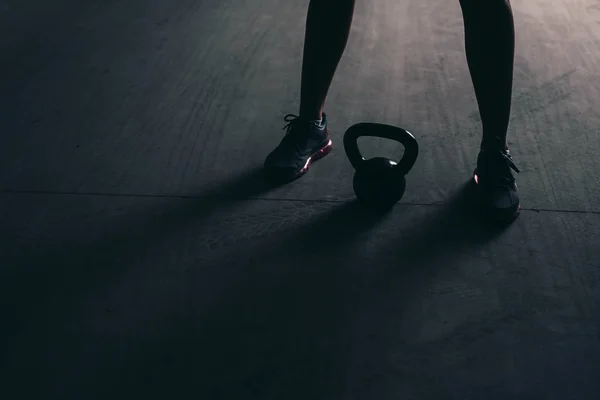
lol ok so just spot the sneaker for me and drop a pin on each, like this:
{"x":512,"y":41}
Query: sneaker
{"x":304,"y":143}
{"x":497,"y":187}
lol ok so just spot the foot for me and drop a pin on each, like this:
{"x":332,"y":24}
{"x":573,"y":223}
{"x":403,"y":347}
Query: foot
{"x":304,"y":143}
{"x":496,"y":183}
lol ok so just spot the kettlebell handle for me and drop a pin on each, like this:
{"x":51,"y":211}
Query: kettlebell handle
{"x":371,"y":129}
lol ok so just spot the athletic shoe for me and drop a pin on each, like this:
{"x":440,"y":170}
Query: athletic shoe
{"x":497,"y":187}
{"x":303,"y":143}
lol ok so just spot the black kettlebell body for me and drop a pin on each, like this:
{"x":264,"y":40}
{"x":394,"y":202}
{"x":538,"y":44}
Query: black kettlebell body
{"x":380,"y":182}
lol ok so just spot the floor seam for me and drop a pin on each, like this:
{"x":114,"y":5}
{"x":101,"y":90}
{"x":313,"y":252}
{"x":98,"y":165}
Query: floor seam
{"x":198,"y":197}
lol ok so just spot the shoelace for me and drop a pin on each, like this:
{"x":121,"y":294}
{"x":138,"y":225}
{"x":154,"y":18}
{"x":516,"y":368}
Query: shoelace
{"x":290,"y":119}
{"x":289,"y":139}
{"x":510,"y":162}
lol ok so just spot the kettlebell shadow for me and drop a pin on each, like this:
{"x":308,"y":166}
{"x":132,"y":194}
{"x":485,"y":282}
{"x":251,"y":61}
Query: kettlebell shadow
{"x":453,"y":228}
{"x":340,"y":227}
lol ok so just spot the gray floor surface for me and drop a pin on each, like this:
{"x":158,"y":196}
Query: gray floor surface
{"x":143,"y":256}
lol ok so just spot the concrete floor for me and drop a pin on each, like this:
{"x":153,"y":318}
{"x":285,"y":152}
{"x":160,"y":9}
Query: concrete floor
{"x":142,"y":255}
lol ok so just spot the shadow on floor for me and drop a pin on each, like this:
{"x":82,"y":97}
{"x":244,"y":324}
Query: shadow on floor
{"x":54,"y":277}
{"x":286,"y":329}
{"x":308,"y":316}
{"x":278,"y":329}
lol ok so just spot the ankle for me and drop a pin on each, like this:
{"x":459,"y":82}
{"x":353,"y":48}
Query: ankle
{"x":494,"y":144}
{"x":315,"y":119}
{"x":311,"y":115}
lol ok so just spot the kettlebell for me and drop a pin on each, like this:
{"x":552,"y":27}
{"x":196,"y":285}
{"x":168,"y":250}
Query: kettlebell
{"x":380,"y":182}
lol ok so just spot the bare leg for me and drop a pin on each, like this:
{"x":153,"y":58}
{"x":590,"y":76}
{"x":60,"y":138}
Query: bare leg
{"x":490,"y":48}
{"x":327,"y":30}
